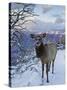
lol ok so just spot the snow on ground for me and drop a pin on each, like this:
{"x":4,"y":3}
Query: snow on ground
{"x":33,"y":77}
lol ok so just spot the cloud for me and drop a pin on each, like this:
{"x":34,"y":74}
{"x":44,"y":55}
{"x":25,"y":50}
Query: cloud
{"x":46,"y":8}
{"x":59,"y":20}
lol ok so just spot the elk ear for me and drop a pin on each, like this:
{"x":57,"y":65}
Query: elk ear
{"x":32,"y":35}
{"x":44,"y":34}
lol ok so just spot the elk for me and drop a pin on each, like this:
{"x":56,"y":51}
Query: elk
{"x":46,"y":52}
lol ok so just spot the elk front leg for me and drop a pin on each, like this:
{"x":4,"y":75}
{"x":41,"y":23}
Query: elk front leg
{"x":53,"y":67}
{"x":47,"y":72}
{"x":42,"y":70}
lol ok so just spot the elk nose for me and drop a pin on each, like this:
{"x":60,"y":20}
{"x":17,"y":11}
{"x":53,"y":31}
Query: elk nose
{"x":37,"y":42}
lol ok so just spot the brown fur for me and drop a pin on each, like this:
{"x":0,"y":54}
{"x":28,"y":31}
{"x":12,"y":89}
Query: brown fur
{"x":45,"y":52}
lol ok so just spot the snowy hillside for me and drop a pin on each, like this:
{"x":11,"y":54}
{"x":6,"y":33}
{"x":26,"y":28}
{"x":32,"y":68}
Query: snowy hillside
{"x":32,"y":76}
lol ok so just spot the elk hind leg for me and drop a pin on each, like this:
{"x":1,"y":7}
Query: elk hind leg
{"x":49,"y":65}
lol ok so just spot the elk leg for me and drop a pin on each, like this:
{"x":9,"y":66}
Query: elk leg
{"x":47,"y":72}
{"x":53,"y":67}
{"x":42,"y":70}
{"x":49,"y":66}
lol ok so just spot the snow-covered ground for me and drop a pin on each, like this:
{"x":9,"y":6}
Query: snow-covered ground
{"x":33,"y":77}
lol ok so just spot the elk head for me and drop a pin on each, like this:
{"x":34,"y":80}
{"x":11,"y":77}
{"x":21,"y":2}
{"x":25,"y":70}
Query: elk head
{"x":38,"y":38}
{"x":39,"y":46}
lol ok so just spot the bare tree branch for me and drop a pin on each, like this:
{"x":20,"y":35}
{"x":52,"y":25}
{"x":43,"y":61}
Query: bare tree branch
{"x":25,"y":12}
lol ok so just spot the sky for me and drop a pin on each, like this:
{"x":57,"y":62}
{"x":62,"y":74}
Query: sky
{"x":47,"y":13}
{"x":50,"y":13}
{"x":50,"y":17}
